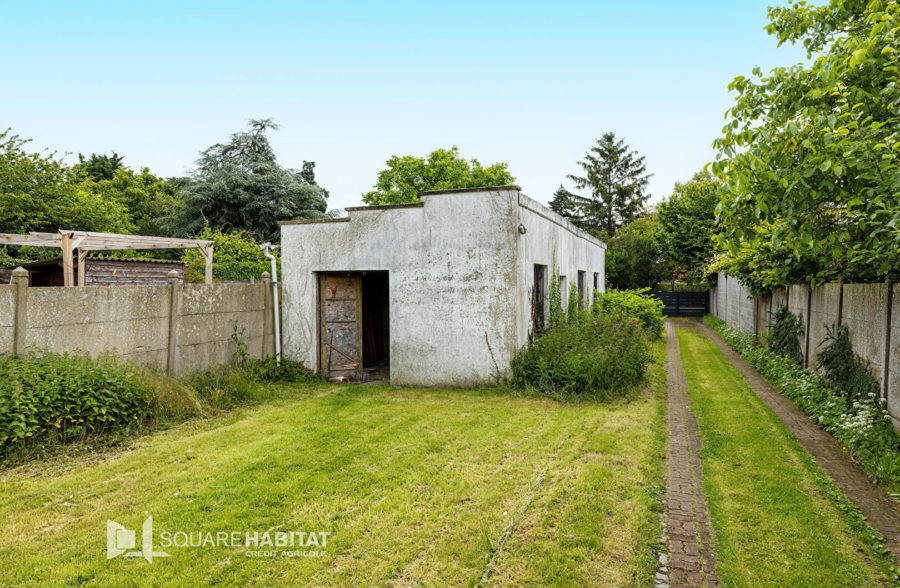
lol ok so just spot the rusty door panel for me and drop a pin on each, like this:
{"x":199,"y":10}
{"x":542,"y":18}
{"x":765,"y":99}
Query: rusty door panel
{"x":340,"y":346}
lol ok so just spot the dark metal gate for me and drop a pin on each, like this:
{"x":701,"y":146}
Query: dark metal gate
{"x":684,"y":303}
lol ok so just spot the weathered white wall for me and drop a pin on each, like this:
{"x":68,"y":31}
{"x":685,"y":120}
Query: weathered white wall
{"x":459,"y":275}
{"x":551,"y":240}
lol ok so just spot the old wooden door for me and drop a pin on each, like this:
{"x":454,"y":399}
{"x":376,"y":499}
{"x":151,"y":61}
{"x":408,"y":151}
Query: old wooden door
{"x":340,"y":313}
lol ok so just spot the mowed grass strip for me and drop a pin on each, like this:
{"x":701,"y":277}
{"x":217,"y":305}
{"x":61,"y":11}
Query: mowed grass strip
{"x":416,"y":487}
{"x":773,"y":519}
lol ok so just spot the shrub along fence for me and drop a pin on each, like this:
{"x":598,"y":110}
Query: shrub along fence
{"x":177,"y":327}
{"x":871,"y":313}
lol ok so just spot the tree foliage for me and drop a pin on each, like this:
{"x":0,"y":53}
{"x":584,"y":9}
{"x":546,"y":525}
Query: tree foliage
{"x":687,"y":221}
{"x":635,"y":257}
{"x":237,"y":257}
{"x":443,"y":169}
{"x":100,"y":167}
{"x":239,"y":185}
{"x":148,"y":199}
{"x":615,"y":178}
{"x":38,"y":192}
{"x":810,"y":155}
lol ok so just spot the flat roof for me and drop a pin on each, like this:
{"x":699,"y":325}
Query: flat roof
{"x":476,"y":189}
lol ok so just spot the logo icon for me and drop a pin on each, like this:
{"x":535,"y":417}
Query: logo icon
{"x":119,"y":540}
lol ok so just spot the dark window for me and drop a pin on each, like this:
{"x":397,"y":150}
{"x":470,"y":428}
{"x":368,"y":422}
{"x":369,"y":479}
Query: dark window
{"x":539,"y":297}
{"x":596,"y":281}
{"x":582,"y":289}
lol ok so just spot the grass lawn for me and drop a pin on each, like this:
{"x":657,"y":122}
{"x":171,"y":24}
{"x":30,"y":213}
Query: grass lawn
{"x":772,"y":508}
{"x":416,"y":487}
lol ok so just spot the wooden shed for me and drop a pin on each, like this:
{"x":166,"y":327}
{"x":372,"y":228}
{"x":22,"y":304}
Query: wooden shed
{"x":100,"y":271}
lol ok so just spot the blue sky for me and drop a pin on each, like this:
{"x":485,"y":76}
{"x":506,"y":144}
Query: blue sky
{"x":352,"y":83}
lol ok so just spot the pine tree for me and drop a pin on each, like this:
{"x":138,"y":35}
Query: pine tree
{"x":616,"y":179}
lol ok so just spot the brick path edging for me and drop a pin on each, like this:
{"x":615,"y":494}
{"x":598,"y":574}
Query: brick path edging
{"x":691,"y":561}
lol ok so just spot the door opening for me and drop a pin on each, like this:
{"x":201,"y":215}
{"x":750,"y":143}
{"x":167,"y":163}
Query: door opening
{"x":376,"y":326}
{"x":354,"y":340}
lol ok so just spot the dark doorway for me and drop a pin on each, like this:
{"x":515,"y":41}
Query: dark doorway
{"x":376,"y":326}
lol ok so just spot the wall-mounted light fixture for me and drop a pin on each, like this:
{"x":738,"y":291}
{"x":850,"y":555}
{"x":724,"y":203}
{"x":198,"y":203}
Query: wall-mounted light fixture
{"x":522,"y":229}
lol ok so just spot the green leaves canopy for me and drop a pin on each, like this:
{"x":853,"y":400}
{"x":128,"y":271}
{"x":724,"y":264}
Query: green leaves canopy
{"x":688,"y":226}
{"x":809,"y":156}
{"x":239,"y":185}
{"x":443,"y":169}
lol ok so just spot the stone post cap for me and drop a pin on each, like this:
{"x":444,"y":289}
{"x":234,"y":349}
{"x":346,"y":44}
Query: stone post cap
{"x":20,"y":272}
{"x":172,"y":276}
{"x":266,"y":276}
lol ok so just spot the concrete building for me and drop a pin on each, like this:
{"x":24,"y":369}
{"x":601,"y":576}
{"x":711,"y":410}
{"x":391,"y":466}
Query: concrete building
{"x":437,"y":293}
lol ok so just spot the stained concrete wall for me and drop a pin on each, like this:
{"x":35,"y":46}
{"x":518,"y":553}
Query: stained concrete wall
{"x":7,"y":317}
{"x":136,"y":322}
{"x":874,"y":328}
{"x":551,"y":240}
{"x":459,"y":275}
{"x":823,"y":312}
{"x":208,"y":316}
{"x":798,"y":299}
{"x":132,"y":321}
{"x":865,"y":313}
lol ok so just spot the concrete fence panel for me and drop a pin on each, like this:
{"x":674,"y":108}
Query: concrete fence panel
{"x":131,"y":321}
{"x":823,"y":312}
{"x":798,"y":304}
{"x":178,"y":327}
{"x":865,"y":314}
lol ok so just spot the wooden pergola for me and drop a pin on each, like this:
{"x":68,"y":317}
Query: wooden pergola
{"x":85,"y":242}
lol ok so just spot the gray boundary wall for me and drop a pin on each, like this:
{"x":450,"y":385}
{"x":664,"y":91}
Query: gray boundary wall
{"x":871,"y":313}
{"x":180,"y":328}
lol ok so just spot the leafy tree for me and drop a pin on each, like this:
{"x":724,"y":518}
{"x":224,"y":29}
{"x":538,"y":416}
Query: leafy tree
{"x":688,"y":226}
{"x":443,"y":169}
{"x":239,"y":185}
{"x":634,"y":255}
{"x":100,"y":167}
{"x":148,"y":199}
{"x":616,"y":179}
{"x":38,"y":192}
{"x":810,"y":155}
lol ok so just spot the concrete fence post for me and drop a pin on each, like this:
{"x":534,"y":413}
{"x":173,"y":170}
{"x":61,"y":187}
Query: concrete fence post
{"x":268,"y":314}
{"x":840,"y":308}
{"x":806,"y":328}
{"x":20,"y":281}
{"x":886,"y":358}
{"x":174,"y":311}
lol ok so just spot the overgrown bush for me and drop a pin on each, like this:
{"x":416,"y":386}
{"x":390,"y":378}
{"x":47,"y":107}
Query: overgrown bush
{"x":844,"y":368}
{"x":784,"y":338}
{"x":860,"y":423}
{"x":48,"y":398}
{"x":585,"y":355}
{"x":636,"y":304}
{"x":66,"y":397}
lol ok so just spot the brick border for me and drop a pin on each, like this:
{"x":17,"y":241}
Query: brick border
{"x":880,"y":512}
{"x":691,"y":559}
